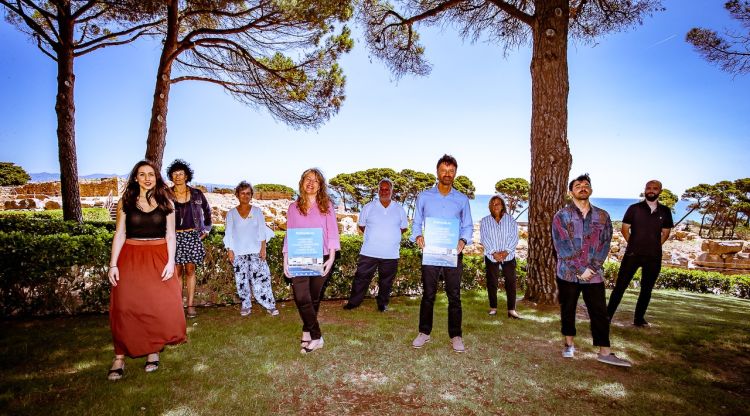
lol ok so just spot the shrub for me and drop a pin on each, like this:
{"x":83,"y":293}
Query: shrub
{"x":55,"y":273}
{"x":689,"y":280}
{"x":100,"y":216}
{"x":223,"y":191}
{"x":48,"y":266}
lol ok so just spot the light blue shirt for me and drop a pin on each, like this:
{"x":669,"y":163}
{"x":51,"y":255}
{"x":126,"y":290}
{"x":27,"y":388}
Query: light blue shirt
{"x":430,"y":203}
{"x":382,"y":229}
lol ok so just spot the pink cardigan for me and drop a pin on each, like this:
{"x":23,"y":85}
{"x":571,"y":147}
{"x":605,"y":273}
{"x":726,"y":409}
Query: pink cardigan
{"x":314,"y":219}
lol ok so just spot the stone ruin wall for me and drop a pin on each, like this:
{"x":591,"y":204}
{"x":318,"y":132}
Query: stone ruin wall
{"x":88,"y":188}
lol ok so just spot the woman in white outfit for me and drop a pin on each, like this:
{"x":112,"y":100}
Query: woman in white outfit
{"x":245,"y":240}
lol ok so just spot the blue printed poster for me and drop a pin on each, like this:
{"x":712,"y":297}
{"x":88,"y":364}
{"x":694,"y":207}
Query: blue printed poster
{"x":305,"y":251}
{"x":440,"y":242}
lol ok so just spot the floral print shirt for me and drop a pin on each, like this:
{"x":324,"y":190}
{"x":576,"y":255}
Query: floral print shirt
{"x":581,"y":242}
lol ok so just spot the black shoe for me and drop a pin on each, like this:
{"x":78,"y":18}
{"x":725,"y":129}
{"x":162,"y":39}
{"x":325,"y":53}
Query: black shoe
{"x":382,"y":308}
{"x":349,"y":306}
{"x":641,"y":324}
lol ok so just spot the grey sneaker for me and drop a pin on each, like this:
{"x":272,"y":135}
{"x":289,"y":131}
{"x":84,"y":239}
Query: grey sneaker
{"x":420,"y":340}
{"x":245,"y":311}
{"x":612,"y":359}
{"x":458,"y":344}
{"x":568,"y":351}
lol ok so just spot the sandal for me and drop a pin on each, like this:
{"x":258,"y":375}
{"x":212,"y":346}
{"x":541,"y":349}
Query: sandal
{"x":151,"y":366}
{"x":115,"y":374}
{"x":191,"y":312}
{"x":308,"y":349}
{"x":304,"y":342}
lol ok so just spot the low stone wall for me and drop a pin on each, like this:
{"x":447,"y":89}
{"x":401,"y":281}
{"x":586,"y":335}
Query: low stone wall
{"x":88,"y":188}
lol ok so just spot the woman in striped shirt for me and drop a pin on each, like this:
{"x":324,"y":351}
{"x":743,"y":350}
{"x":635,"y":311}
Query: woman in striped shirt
{"x":499,"y":236}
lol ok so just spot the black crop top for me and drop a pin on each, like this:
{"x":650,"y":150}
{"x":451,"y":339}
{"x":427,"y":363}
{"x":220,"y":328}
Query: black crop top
{"x":139,"y":224}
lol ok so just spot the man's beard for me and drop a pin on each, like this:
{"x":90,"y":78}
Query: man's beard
{"x":652,"y":197}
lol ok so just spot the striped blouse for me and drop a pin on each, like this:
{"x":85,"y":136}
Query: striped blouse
{"x":499,"y":236}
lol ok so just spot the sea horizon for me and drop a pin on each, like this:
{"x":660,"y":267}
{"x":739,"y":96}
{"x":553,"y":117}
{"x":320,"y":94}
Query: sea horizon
{"x":616,"y":208}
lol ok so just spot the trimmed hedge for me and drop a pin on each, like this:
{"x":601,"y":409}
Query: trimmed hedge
{"x":48,"y":266}
{"x":90,"y":215}
{"x":689,"y":280}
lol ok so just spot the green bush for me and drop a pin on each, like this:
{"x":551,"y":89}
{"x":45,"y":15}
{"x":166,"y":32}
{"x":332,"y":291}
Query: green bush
{"x":689,"y":280}
{"x":48,"y":266}
{"x":52,"y":274}
{"x":99,"y":216}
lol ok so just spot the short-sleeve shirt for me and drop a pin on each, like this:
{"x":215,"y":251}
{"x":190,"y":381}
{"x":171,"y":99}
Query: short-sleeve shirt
{"x":645,"y":228}
{"x":245,"y":235}
{"x":382,"y":229}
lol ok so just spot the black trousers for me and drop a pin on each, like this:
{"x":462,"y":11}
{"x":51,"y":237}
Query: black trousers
{"x":308,"y":291}
{"x":366,"y":267}
{"x":650,"y":268}
{"x":509,"y":275}
{"x":452,"y":277}
{"x":596,"y":304}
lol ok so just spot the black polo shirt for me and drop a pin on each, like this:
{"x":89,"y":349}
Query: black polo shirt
{"x":645,"y":228}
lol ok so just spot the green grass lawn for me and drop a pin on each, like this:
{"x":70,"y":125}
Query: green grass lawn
{"x":694,"y":360}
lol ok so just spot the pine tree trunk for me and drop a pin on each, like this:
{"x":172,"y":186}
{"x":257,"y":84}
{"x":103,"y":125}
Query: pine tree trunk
{"x":157,"y":130}
{"x":550,"y":152}
{"x":65,"y":110}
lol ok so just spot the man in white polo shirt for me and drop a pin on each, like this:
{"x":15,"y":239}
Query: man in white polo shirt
{"x":383,"y":221}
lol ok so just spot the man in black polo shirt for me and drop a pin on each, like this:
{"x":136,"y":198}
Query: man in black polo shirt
{"x":646,"y":226}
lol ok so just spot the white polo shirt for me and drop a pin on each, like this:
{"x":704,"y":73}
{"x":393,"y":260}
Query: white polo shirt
{"x":382,"y":229}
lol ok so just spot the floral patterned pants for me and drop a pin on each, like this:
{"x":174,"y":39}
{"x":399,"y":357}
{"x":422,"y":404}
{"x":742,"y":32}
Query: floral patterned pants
{"x":253,"y":275}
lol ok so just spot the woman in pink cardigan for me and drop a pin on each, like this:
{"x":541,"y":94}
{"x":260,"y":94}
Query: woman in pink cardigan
{"x":313,"y":209}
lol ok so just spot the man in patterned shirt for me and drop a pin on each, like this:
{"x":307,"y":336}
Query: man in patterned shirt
{"x":581,"y":234}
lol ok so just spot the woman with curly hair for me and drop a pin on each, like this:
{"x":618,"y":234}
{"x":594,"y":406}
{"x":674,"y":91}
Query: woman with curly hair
{"x":145,"y":311}
{"x":313,"y":209}
{"x":193,"y":223}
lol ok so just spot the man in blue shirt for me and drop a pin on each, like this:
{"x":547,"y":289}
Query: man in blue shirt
{"x":383,"y":221}
{"x":442,"y":201}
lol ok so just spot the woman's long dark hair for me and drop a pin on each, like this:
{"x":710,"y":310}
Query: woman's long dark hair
{"x":160,"y":193}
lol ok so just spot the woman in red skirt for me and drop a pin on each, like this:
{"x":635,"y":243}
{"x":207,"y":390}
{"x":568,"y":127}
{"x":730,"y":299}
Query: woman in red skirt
{"x":145,"y":310}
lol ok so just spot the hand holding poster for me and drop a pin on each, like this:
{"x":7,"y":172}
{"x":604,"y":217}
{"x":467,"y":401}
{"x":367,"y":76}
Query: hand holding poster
{"x":440,"y":242}
{"x":305,"y":251}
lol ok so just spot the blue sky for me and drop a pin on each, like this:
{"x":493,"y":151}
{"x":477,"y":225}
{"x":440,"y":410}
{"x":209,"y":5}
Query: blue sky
{"x":642,"y":105}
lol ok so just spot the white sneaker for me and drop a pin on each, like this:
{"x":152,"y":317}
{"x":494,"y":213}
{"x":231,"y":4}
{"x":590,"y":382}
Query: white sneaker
{"x":273,"y":312}
{"x":568,"y":351}
{"x":245,"y":312}
{"x":420,"y":340}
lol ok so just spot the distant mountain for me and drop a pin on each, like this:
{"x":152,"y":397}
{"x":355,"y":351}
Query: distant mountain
{"x":44,"y":177}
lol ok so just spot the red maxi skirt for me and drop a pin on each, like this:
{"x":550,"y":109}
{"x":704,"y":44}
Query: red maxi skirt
{"x":145,"y":314}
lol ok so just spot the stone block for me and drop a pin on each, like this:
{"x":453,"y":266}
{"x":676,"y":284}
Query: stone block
{"x":737,"y":263}
{"x":50,"y":204}
{"x":710,"y":260}
{"x":279,"y":224}
{"x":721,"y":247}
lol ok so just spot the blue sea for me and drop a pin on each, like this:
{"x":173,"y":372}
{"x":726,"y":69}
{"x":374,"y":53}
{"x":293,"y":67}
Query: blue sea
{"x":616,"y":208}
